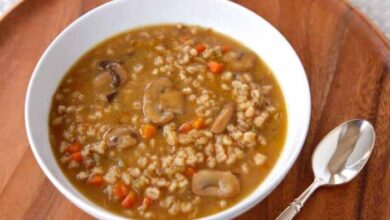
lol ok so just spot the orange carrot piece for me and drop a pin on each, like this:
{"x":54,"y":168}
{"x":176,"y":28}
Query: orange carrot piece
{"x":215,"y":67}
{"x":130,"y":199}
{"x":148,"y":131}
{"x":200,"y":48}
{"x":185,"y":127}
{"x":73,"y":148}
{"x":96,"y":180}
{"x":190,"y":171}
{"x":120,"y":190}
{"x":198,"y":123}
{"x":147,"y":202}
{"x":77,"y":157}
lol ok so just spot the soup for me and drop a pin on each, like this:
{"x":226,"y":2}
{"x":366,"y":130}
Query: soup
{"x":168,"y":121}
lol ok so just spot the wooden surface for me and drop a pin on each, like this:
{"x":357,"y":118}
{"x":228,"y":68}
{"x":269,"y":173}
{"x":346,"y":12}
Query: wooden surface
{"x":348,"y":65}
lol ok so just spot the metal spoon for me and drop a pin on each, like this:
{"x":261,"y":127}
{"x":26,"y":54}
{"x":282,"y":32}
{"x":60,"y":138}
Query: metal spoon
{"x":338,"y":158}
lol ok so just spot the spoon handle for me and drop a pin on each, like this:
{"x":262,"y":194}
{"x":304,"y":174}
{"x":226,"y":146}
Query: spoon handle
{"x":298,"y":203}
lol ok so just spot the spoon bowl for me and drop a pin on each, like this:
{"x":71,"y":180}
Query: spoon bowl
{"x":342,"y":154}
{"x":337,"y":159}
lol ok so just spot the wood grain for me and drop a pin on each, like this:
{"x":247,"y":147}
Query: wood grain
{"x":348,"y":65}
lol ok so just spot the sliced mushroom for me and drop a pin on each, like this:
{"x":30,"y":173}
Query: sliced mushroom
{"x":240,"y":61}
{"x":161,"y":101}
{"x":110,"y":79}
{"x":120,"y":137}
{"x":220,"y":184}
{"x":113,"y":75}
{"x":172,"y":100}
{"x":118,"y":73}
{"x":223,"y":119}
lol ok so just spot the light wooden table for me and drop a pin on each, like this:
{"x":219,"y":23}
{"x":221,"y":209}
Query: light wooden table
{"x":348,"y":66}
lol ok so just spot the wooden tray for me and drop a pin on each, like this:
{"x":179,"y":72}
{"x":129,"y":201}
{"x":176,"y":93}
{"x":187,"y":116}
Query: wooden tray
{"x":347,"y":61}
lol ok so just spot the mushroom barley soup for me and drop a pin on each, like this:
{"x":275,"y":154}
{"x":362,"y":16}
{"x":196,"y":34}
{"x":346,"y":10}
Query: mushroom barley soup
{"x":167,"y":122}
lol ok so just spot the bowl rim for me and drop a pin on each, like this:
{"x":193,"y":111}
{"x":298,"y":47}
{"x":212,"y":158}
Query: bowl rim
{"x":231,"y":212}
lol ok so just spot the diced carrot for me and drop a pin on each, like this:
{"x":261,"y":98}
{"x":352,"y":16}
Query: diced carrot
{"x":185,"y":127}
{"x":147,"y":202}
{"x":129,"y":201}
{"x":120,"y":190}
{"x":198,"y":123}
{"x":73,"y":148}
{"x":96,"y":180}
{"x":200,"y":48}
{"x":190,"y":171}
{"x":225,"y":48}
{"x":77,"y":157}
{"x":215,"y":67}
{"x":148,"y":131}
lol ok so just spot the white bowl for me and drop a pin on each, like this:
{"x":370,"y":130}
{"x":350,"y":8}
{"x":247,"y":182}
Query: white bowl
{"x":121,"y":15}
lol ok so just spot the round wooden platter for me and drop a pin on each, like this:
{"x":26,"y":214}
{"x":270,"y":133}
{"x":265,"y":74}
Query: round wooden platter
{"x":347,"y":61}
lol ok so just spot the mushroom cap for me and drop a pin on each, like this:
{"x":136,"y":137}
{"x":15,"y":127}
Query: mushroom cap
{"x":161,"y":101}
{"x":220,"y":184}
{"x":120,"y":137}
